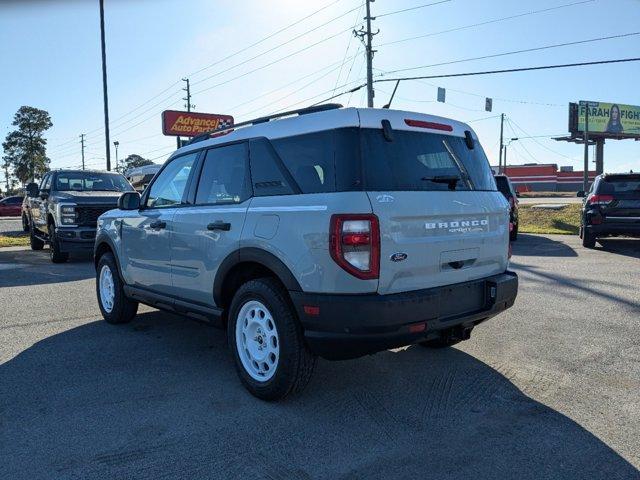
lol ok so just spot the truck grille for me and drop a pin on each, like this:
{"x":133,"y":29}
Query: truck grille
{"x":88,"y":216}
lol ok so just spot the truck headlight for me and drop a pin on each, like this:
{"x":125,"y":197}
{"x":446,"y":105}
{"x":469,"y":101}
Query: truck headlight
{"x":68,"y":209}
{"x":67,"y":214}
{"x":68,"y":220}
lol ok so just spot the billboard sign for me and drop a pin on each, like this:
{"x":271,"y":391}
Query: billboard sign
{"x":614,"y":120}
{"x":190,"y":124}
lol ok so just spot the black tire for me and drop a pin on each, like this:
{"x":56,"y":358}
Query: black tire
{"x":54,"y":247}
{"x":588,"y":239}
{"x":295,"y":363}
{"x":513,"y":234}
{"x":25,"y":223}
{"x":123,"y":309}
{"x":35,"y":242}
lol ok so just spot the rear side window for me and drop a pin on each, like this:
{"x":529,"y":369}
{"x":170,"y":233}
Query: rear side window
{"x":626,"y":186}
{"x":267,"y":173}
{"x":418,"y":161}
{"x":310,"y":160}
{"x":224,"y":178}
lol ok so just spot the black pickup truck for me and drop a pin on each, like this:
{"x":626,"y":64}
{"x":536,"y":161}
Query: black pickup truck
{"x":611,"y":208}
{"x":63,"y":210}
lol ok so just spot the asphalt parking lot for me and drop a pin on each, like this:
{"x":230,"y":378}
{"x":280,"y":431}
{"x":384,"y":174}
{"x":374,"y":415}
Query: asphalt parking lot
{"x":548,"y":389}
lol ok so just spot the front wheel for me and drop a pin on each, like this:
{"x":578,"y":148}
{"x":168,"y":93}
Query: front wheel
{"x":513,"y":234}
{"x":266,"y":341}
{"x":25,"y":223}
{"x":57,"y":256}
{"x":114,"y":305}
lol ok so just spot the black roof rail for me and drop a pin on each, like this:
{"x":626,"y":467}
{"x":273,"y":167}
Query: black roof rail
{"x":301,"y":111}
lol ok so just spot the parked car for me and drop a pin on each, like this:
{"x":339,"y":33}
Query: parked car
{"x":64,"y":208}
{"x":11,"y":206}
{"x":334,"y":232}
{"x":507,"y":189}
{"x":140,"y":177}
{"x":610,"y":208}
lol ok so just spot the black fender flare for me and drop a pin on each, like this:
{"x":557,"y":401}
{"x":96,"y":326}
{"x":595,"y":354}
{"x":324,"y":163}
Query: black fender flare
{"x":256,"y":255}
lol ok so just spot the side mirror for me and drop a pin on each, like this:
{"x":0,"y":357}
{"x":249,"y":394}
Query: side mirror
{"x":580,"y":193}
{"x":129,"y":201}
{"x":32,"y":190}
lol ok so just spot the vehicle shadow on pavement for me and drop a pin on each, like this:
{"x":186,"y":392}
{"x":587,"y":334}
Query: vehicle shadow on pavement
{"x":541,"y":246}
{"x":629,"y":247}
{"x":26,"y":267}
{"x":159,"y":398}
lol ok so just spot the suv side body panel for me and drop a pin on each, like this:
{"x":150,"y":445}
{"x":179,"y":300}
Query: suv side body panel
{"x":295,"y":228}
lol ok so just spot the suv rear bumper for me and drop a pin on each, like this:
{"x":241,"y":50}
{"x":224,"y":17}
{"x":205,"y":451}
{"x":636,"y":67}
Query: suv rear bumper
{"x":349,"y":326}
{"x":617,"y":228}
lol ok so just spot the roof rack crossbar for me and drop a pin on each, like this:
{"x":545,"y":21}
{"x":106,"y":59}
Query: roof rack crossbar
{"x":267,"y":118}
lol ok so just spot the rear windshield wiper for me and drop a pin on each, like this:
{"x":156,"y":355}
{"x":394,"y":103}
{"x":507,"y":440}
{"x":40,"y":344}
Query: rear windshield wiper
{"x":451,"y":180}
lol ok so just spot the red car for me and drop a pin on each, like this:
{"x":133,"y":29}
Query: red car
{"x":11,"y":207}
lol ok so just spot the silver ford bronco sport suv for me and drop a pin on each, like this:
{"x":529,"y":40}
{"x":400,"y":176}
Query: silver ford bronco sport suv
{"x":332,"y":232}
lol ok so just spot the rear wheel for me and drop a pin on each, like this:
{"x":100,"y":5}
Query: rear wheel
{"x":114,"y":305}
{"x":35,"y":242}
{"x":56,"y":255}
{"x":513,"y":234}
{"x":588,"y":239}
{"x":25,"y":223}
{"x":266,"y":341}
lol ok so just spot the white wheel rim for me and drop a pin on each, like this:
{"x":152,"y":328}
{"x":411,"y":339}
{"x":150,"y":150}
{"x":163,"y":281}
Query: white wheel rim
{"x":257,"y":341}
{"x":107,"y":288}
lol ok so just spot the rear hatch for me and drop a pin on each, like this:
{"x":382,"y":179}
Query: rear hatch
{"x":442,"y":221}
{"x":620,"y":198}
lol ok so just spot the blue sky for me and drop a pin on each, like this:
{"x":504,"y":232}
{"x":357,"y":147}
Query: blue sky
{"x":50,"y":51}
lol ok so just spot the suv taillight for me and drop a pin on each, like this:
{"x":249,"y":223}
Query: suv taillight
{"x":600,"y":199}
{"x":354,"y":242}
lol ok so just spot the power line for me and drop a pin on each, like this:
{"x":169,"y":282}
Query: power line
{"x":262,"y":40}
{"x":275,"y":48}
{"x":346,"y":51}
{"x":513,"y":52}
{"x":274,"y":61}
{"x":511,"y":70}
{"x":487,"y":22}
{"x":411,"y":8}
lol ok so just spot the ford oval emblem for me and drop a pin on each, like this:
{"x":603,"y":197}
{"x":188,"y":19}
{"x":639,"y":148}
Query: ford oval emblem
{"x":398,"y":257}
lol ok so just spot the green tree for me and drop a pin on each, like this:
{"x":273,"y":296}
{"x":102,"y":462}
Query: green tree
{"x":25,"y":148}
{"x":134,"y":161}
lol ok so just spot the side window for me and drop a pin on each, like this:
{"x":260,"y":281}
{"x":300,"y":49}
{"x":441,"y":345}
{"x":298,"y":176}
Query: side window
{"x":224,"y":178}
{"x":170,"y":185}
{"x":266,"y":175}
{"x":46,"y":182}
{"x":310,"y":160}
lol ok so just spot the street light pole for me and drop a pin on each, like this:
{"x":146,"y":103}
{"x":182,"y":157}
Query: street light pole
{"x":115,"y":144}
{"x":104,"y":87}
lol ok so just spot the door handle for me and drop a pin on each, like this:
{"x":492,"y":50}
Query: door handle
{"x":158,"y":224}
{"x":219,"y":226}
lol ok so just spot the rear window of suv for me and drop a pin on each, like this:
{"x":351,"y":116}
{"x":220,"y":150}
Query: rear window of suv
{"x":628,"y":186}
{"x":350,"y":159}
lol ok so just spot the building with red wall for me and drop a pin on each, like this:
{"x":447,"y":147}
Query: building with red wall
{"x":535,"y":177}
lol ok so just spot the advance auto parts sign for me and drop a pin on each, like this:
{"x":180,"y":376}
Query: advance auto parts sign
{"x":610,"y":119}
{"x":190,"y":124}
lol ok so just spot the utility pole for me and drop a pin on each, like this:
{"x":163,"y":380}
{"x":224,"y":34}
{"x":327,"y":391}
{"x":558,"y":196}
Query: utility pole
{"x":82,"y":148}
{"x":104,"y":87}
{"x":500,"y":170}
{"x":188,"y":97}
{"x":362,"y":33}
{"x":585,"y":174}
